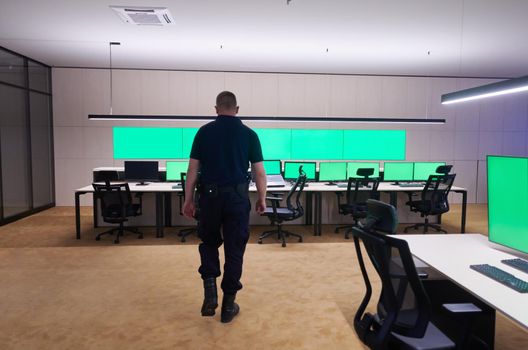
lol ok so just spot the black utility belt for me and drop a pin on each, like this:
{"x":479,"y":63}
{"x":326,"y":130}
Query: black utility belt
{"x":212,"y":190}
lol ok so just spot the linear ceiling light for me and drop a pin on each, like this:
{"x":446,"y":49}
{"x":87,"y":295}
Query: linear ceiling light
{"x":274,"y":119}
{"x":504,"y":87}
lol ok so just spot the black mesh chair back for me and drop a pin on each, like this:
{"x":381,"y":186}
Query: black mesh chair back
{"x":293,"y":200}
{"x":115,"y":199}
{"x":404,"y":309}
{"x":435,"y":194}
{"x":444,"y":169}
{"x":116,"y":207}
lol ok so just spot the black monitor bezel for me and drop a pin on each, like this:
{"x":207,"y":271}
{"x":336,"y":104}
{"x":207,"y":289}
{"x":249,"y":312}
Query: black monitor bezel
{"x":299,"y":162}
{"x":144,"y":179}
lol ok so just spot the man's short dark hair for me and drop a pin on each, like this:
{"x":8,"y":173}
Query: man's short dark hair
{"x":226,"y":99}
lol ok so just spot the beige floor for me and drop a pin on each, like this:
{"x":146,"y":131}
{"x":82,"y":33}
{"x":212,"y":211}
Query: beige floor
{"x":60,"y":293}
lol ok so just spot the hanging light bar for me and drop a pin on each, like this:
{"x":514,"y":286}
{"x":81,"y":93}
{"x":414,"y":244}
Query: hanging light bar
{"x":271,"y":119}
{"x":504,"y":87}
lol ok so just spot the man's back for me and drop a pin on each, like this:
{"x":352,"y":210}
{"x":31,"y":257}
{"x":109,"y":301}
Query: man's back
{"x":225,"y":147}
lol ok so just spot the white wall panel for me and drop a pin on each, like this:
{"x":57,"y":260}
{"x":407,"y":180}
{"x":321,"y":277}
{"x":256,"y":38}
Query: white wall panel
{"x":513,"y":143}
{"x":292,"y":95}
{"x":491,"y":114}
{"x":369,"y":96}
{"x":438,"y":87}
{"x":154,"y":92}
{"x":393,"y":97}
{"x":489,"y":143}
{"x":466,"y":176}
{"x":95,"y":95}
{"x":67,"y":97}
{"x":68,"y":141}
{"x":126,"y":91}
{"x":240,"y":85}
{"x":317,"y":95}
{"x":418,"y":145}
{"x":342,"y":96}
{"x":466,"y":145}
{"x":209,"y":84}
{"x":442,"y":145}
{"x":515,"y":113}
{"x":482,"y":182}
{"x":98,"y":142}
{"x":183,"y":93}
{"x":265,"y":94}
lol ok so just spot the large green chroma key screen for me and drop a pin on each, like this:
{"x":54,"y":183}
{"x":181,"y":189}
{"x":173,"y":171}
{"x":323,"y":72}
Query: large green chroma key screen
{"x":284,"y":144}
{"x":508,"y":201}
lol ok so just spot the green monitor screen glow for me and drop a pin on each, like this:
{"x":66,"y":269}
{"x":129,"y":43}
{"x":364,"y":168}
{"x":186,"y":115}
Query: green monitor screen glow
{"x":291,"y":170}
{"x":508,"y":201}
{"x":147,"y":143}
{"x":422,"y":170}
{"x":272,"y":167}
{"x":352,"y":168}
{"x":175,"y":168}
{"x":398,"y":171}
{"x":332,"y":171}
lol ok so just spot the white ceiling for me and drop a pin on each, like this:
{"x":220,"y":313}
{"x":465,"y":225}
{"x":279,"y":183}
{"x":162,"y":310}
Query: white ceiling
{"x":479,"y":38}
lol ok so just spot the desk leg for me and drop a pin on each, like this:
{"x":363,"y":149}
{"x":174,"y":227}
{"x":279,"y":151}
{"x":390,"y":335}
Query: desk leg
{"x":95,"y":216}
{"x":463,"y":218}
{"x":168,"y":209}
{"x":78,"y":214}
{"x":159,"y":215}
{"x":319,"y":212}
{"x":309,"y":207}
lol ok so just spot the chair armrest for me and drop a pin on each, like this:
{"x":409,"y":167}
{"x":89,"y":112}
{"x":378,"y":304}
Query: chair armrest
{"x":462,"y":308}
{"x":274,"y":198}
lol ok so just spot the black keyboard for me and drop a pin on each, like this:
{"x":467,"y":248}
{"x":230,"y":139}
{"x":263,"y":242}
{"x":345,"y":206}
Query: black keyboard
{"x":517,"y":263}
{"x":502,"y":276}
{"x":411,"y":184}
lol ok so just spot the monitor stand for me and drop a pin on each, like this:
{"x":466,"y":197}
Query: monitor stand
{"x":142,"y":183}
{"x":331,"y":183}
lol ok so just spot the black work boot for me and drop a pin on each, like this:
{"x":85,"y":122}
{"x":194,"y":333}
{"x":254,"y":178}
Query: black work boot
{"x":229,"y":308}
{"x":210,"y":297}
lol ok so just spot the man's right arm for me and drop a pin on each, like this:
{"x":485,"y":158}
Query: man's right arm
{"x":189,"y":209}
{"x":260,"y":181}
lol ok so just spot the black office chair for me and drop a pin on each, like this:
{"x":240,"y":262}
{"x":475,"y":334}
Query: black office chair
{"x":403,"y":318}
{"x":433,"y":200}
{"x":186,"y":231}
{"x":356,"y":197}
{"x":444,"y":169}
{"x":116,"y":207}
{"x":278,"y":215}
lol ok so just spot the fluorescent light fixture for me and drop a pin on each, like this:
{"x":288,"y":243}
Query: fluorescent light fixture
{"x":271,"y":119}
{"x":504,"y":87}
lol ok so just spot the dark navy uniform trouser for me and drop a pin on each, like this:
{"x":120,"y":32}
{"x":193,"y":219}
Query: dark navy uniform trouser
{"x":224,"y":218}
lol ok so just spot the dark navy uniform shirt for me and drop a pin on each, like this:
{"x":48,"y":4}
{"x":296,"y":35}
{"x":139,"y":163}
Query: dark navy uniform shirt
{"x":225,"y":147}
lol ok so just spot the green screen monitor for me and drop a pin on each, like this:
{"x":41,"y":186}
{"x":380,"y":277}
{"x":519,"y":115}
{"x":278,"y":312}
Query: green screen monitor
{"x":175,"y":168}
{"x":422,"y":170}
{"x":352,"y":168}
{"x":291,"y":170}
{"x":398,"y":171}
{"x":332,"y":171}
{"x":272,"y":167}
{"x":508,"y":201}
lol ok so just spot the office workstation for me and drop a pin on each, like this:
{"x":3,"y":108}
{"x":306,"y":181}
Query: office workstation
{"x":351,"y":102}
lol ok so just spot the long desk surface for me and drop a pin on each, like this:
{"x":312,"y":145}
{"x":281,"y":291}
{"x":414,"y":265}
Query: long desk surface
{"x":315,"y":188}
{"x":452,"y":254}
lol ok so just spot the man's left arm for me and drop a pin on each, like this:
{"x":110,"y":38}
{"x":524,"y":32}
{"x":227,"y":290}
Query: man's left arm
{"x":260,"y":180}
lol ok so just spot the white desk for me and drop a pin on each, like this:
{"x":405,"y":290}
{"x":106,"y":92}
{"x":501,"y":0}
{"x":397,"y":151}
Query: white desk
{"x":315,"y":188}
{"x":452,"y":254}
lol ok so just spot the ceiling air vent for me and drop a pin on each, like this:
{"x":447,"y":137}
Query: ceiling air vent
{"x":149,"y":16}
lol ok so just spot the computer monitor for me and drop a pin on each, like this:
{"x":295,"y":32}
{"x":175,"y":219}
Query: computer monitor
{"x":175,"y":168}
{"x":141,"y":171}
{"x":422,"y":170}
{"x":508,"y":201}
{"x":291,"y":170}
{"x":352,"y":168}
{"x":398,"y":171}
{"x":332,"y":171}
{"x":272,"y":167}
